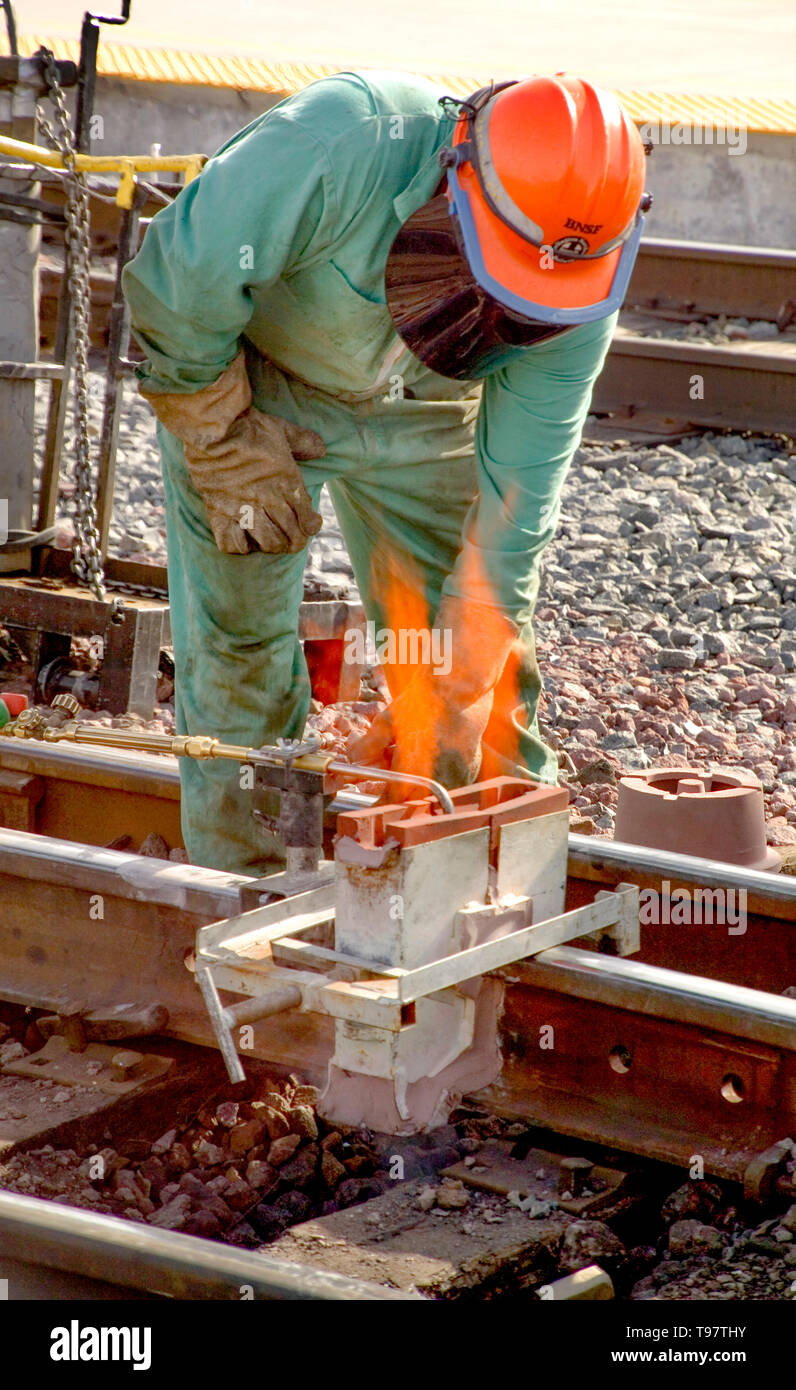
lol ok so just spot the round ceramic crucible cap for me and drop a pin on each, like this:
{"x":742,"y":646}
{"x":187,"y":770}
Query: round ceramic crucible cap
{"x":711,"y":815}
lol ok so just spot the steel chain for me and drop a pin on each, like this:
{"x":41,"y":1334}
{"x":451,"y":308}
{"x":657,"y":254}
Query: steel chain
{"x":87,"y":562}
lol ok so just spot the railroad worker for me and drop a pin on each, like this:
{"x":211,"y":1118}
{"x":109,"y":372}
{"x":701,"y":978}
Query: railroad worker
{"x":409,"y":298}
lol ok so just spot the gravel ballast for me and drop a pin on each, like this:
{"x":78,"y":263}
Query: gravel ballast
{"x":666,"y":623}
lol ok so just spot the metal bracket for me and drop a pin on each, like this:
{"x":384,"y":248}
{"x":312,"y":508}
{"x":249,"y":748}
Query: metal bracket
{"x":113,"y":1070}
{"x":286,"y":750}
{"x":239,"y":955}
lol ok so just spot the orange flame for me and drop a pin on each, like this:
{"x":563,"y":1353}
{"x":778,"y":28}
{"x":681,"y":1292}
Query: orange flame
{"x":422,"y":720}
{"x":400,"y":592}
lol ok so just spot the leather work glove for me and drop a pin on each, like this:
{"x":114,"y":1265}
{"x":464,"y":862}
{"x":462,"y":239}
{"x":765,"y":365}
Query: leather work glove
{"x":243,"y":464}
{"x":438,"y":721}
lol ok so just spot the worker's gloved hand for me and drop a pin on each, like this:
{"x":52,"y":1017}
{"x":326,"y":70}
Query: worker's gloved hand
{"x":243,"y":464}
{"x":437,"y":723}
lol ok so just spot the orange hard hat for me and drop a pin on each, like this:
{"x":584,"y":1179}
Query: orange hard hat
{"x":546,"y":182}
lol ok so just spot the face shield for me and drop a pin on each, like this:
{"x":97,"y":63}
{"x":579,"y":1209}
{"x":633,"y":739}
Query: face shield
{"x":471,"y":278}
{"x":449,"y":321}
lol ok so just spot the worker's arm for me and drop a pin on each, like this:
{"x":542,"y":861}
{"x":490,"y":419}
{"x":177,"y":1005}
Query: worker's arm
{"x":262,"y":204}
{"x":530,"y":422}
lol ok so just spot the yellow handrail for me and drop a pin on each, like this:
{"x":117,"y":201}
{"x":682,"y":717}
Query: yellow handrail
{"x":127,"y":166}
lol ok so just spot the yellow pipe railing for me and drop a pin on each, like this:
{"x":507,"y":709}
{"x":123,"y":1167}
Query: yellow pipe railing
{"x":127,"y":166}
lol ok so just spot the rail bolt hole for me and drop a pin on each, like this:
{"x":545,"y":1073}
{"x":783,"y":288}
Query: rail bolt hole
{"x":621,"y":1060}
{"x":732,"y":1088}
{"x":189,"y":960}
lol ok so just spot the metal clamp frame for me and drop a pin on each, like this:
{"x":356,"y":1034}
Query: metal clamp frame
{"x":254,"y":953}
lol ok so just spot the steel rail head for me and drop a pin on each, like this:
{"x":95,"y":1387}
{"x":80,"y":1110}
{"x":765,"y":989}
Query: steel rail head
{"x":34,"y":1231}
{"x":624,"y":858}
{"x":663,"y":993}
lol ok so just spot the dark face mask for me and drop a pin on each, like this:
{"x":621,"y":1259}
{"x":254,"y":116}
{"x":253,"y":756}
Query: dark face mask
{"x":438,"y":308}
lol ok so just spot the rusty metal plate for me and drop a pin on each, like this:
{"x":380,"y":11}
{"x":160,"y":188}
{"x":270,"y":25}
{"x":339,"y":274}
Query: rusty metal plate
{"x":655,"y":1086}
{"x":93,"y":1068}
{"x":537,"y":1174}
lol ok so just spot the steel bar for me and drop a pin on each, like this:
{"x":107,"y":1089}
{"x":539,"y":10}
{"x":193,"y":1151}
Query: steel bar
{"x":275,"y":1001}
{"x":160,"y":1262}
{"x":125,"y":771}
{"x":478,"y":960}
{"x":382,"y":774}
{"x":257,"y":928}
{"x":711,"y":278}
{"x":753,"y":387}
{"x":132,"y":877}
{"x":220,"y":1025}
{"x":670,"y":994}
{"x":748,"y":939}
{"x":774,"y":894}
{"x":31,"y":371}
{"x":126,"y":165}
{"x":86,"y":82}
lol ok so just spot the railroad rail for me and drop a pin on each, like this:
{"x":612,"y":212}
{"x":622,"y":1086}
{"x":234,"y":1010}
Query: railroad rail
{"x":690,"y":1046}
{"x":741,"y":386}
{"x":696,"y":279}
{"x":54,"y":1251}
{"x":689,"y":384}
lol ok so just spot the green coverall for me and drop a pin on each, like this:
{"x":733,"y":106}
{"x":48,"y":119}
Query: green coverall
{"x":280,"y":246}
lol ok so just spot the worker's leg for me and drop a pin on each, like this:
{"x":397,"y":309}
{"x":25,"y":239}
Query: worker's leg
{"x":240,"y":671}
{"x":402,"y":518}
{"x":512,"y":742}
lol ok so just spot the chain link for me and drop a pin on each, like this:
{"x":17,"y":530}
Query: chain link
{"x":87,"y":562}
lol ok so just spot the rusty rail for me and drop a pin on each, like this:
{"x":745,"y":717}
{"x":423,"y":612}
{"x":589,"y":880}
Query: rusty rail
{"x":665,"y":1064}
{"x":749,"y":387}
{"x":661,"y":1062}
{"x":96,"y":1256}
{"x":707,"y":278}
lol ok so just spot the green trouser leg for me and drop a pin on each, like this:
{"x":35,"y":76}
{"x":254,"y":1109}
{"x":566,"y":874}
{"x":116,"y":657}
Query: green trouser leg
{"x":402,"y":526}
{"x":393,"y":530}
{"x":402,"y":477}
{"x":241,"y":674}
